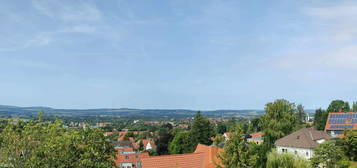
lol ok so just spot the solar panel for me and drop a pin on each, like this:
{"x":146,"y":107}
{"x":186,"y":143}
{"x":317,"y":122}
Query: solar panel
{"x":341,"y":126}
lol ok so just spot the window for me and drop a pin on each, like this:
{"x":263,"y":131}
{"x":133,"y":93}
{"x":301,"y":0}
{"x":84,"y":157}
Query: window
{"x":126,"y":157}
{"x":284,"y":150}
{"x":307,"y":154}
{"x":295,"y":152}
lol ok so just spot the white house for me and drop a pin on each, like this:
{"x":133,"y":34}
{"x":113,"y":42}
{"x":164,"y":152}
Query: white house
{"x":302,"y":142}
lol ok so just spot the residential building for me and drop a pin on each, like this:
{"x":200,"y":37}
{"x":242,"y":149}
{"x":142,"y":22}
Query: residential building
{"x":149,"y":144}
{"x":302,"y":142}
{"x":256,"y":137}
{"x":338,"y":122}
{"x":130,"y":159}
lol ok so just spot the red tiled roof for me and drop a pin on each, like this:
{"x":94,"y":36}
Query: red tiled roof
{"x":191,"y":160}
{"x":211,"y":155}
{"x":343,"y":121}
{"x":257,"y":135}
{"x":203,"y":157}
{"x":132,"y":157}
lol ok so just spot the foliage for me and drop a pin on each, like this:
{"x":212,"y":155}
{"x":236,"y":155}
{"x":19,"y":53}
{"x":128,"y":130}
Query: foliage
{"x":286,"y":160}
{"x":221,"y":128}
{"x":238,"y":153}
{"x":329,"y":155}
{"x":278,"y":121}
{"x":182,"y":143}
{"x":300,"y":114}
{"x":201,"y":130}
{"x":320,"y":119}
{"x":163,"y":140}
{"x":337,"y":105}
{"x":38,"y":144}
{"x":350,"y":144}
{"x":354,"y":106}
{"x":219,"y":140}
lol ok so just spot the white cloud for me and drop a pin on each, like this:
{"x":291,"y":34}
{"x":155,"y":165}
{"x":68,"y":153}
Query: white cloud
{"x":339,"y":21}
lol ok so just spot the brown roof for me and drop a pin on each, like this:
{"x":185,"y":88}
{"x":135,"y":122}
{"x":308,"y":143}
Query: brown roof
{"x":303,"y":138}
{"x":191,"y":160}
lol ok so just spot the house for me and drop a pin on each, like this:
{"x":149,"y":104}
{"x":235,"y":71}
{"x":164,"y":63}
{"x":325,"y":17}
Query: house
{"x":338,"y":122}
{"x":122,"y":144}
{"x":256,"y":137}
{"x":203,"y":157}
{"x":227,"y":135}
{"x":148,"y":144}
{"x":302,"y":142}
{"x":130,"y":159}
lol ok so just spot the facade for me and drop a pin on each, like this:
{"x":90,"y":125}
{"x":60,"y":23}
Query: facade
{"x":256,"y":137}
{"x":130,"y":159}
{"x":302,"y":142}
{"x":338,"y":122}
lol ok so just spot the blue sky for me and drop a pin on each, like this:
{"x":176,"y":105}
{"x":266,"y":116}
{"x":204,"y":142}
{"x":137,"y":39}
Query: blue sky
{"x":201,"y":54}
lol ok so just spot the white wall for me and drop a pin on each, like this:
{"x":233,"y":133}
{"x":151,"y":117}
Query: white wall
{"x":300,"y":151}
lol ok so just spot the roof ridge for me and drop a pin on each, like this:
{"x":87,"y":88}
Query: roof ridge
{"x":176,"y":155}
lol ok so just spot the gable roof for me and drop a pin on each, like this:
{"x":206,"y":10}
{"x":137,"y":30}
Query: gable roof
{"x":211,"y":155}
{"x":303,"y":138}
{"x":256,"y":135}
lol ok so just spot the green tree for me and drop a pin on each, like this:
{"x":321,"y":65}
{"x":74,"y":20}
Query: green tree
{"x":350,"y":144}
{"x":279,"y":120}
{"x":163,"y":140}
{"x":286,"y":160}
{"x":354,"y":106}
{"x":300,"y":114}
{"x":338,"y":105}
{"x":201,"y":130}
{"x":36,"y":144}
{"x":40,"y":115}
{"x":329,"y":155}
{"x":320,"y":119}
{"x":237,"y":153}
{"x":182,"y":143}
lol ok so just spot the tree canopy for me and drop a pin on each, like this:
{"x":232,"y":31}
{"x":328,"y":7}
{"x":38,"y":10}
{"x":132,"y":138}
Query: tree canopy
{"x":338,"y":105}
{"x":38,"y":144}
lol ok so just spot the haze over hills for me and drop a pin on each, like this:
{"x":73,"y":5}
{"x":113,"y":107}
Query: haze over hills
{"x":16,"y":111}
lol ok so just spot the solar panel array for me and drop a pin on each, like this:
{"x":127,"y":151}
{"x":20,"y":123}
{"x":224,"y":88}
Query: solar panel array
{"x":342,"y":126}
{"x":348,"y":120}
{"x":344,"y":116}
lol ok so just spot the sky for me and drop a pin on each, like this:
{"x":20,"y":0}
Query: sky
{"x":201,"y":54}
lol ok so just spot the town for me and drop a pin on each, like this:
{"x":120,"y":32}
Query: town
{"x":284,"y":136}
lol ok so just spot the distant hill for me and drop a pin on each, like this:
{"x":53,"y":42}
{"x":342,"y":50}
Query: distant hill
{"x":15,"y":111}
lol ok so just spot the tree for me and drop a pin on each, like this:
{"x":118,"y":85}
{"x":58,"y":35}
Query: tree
{"x":237,"y":152}
{"x":300,"y":114}
{"x":286,"y":160}
{"x":201,"y":130}
{"x":279,"y":120}
{"x":40,"y":115}
{"x":219,"y":140}
{"x":221,"y":128}
{"x":163,"y":140}
{"x":182,"y":143}
{"x":338,"y":105}
{"x":354,"y":106}
{"x":141,"y":145}
{"x":36,"y":144}
{"x":320,"y":119}
{"x":329,"y":155}
{"x":350,"y":144}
